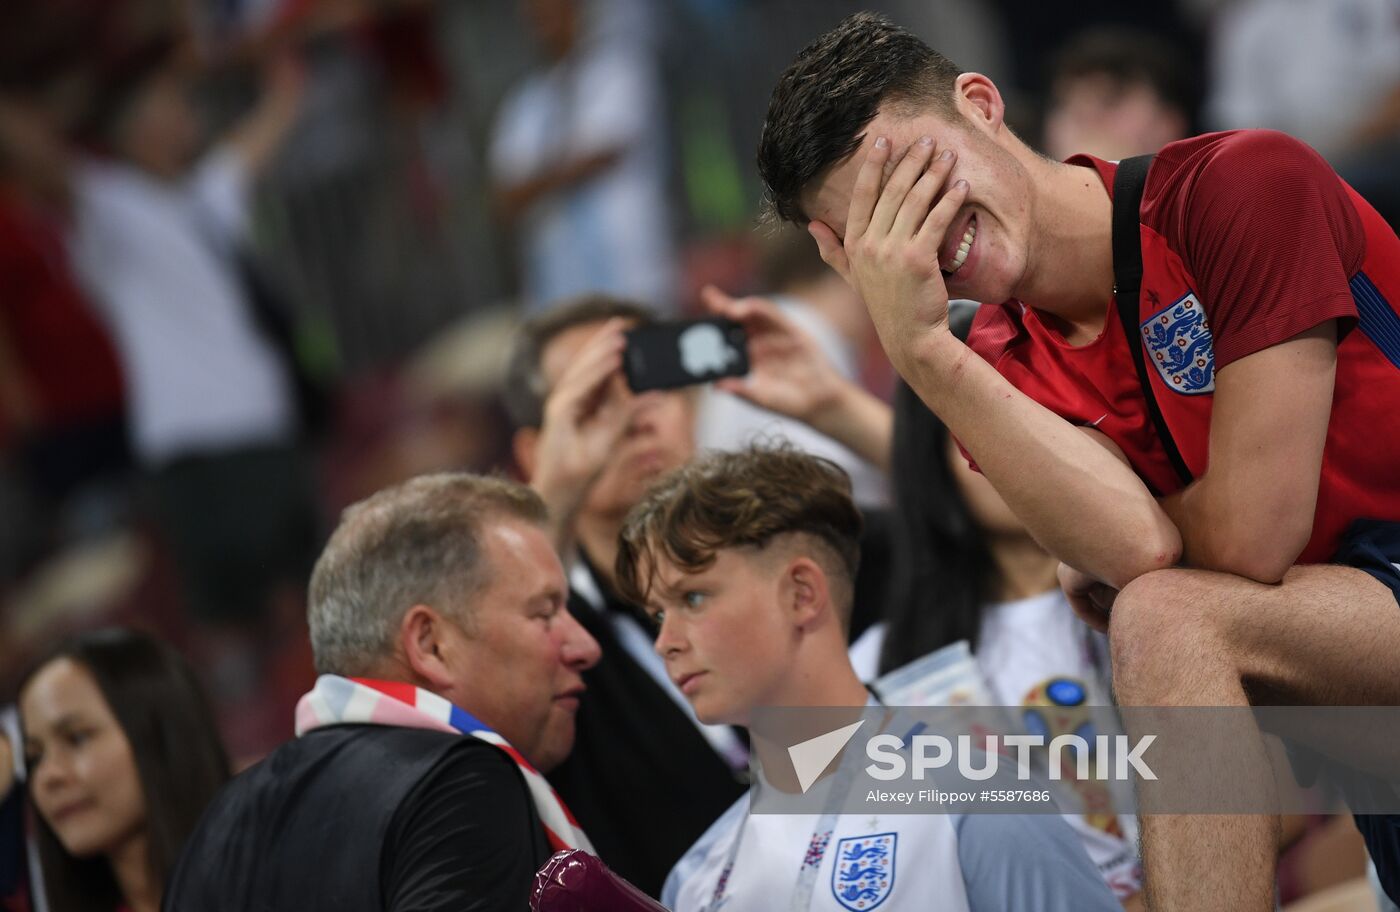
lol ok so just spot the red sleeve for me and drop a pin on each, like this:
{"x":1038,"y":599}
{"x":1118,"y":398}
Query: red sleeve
{"x":1272,"y":239}
{"x":967,"y":457}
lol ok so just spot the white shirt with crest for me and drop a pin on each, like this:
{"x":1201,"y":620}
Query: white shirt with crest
{"x":856,"y":862}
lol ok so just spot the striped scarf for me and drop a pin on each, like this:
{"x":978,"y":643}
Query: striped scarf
{"x":363,"y":701}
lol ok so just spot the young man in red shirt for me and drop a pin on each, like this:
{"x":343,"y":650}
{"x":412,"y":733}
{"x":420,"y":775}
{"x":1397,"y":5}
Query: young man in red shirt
{"x":1266,"y":315}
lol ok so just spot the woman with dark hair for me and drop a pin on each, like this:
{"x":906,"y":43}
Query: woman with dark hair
{"x":122,"y":756}
{"x":952,"y":536}
{"x":959,"y":549}
{"x":965,"y":569}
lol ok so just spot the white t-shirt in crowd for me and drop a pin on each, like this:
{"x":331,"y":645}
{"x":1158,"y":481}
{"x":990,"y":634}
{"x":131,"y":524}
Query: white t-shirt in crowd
{"x":1032,"y":651}
{"x":1317,"y":71}
{"x":151,"y":254}
{"x":611,"y":233}
{"x":852,"y":862}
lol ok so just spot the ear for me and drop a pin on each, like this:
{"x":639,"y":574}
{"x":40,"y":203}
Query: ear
{"x":980,"y":101}
{"x":524,"y":445}
{"x":805,"y":592}
{"x":423,"y":642}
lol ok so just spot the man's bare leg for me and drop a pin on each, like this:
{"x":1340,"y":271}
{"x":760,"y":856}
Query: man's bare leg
{"x":1326,"y":636}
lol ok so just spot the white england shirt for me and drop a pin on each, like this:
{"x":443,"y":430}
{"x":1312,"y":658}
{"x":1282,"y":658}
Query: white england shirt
{"x":856,"y":862}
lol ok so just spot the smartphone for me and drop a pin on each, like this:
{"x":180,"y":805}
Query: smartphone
{"x":677,"y":353}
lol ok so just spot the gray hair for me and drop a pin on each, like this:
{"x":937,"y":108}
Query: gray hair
{"x":417,"y":543}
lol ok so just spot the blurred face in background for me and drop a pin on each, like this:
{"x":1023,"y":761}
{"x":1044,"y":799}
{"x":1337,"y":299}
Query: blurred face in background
{"x":1104,"y":116}
{"x":83,"y":776}
{"x":160,"y":130}
{"x":660,"y":435}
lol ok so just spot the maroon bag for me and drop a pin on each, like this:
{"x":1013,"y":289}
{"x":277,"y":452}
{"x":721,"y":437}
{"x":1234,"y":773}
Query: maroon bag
{"x":575,"y":881}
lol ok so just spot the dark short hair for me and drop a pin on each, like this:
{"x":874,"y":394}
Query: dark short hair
{"x":525,"y":388}
{"x":742,"y":499}
{"x":160,"y":707}
{"x":1128,"y":56}
{"x":826,"y":98}
{"x":416,"y":543}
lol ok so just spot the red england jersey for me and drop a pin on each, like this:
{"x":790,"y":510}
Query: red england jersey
{"x":1248,"y":239}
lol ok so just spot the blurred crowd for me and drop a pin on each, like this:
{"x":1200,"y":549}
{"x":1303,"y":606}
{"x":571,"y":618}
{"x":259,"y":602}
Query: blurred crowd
{"x":262,"y":258}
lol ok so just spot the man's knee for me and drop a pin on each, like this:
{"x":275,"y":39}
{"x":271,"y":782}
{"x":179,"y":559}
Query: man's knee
{"x":1165,"y":623}
{"x":1165,"y":606}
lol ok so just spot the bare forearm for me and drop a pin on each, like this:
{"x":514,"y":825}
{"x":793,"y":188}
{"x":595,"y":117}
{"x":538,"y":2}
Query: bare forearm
{"x":259,"y":136}
{"x":1251,"y":513}
{"x":514,"y":199}
{"x":1083,"y":503}
{"x":1223,"y":529}
{"x":562,"y":500}
{"x":860,"y":422}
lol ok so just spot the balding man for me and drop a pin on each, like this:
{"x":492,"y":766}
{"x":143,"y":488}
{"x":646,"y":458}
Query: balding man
{"x":450,"y":674}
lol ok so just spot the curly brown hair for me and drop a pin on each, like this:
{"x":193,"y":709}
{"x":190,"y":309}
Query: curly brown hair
{"x":746,"y":498}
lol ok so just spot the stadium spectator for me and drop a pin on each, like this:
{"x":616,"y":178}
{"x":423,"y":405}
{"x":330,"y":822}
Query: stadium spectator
{"x":747,"y":562}
{"x":592,"y":448}
{"x":964,"y":568}
{"x":160,"y":242}
{"x":1251,"y":247}
{"x":1343,"y":99}
{"x":578,"y":166}
{"x":450,"y":675}
{"x":122,"y":757}
{"x":60,"y":386}
{"x":1345,"y":102}
{"x":1117,"y":92}
{"x":62,"y":409}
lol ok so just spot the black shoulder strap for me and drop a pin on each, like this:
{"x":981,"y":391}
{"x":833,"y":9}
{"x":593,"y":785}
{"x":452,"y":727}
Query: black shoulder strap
{"x":1128,"y":185}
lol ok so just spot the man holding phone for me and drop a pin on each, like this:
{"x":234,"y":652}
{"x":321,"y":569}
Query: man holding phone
{"x":591,"y":447}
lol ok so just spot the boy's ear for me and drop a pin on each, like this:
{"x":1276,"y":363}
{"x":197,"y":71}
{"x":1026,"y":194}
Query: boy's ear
{"x":805,"y":591}
{"x":980,"y":101}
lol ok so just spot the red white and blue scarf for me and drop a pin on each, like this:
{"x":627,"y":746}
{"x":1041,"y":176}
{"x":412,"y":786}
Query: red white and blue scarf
{"x":341,"y":701}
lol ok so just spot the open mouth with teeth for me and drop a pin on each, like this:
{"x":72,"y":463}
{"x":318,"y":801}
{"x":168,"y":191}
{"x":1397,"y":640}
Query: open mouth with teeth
{"x":955,"y":257}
